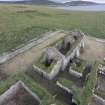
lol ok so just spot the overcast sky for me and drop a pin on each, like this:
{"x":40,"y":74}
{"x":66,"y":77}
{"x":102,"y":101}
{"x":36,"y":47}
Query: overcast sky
{"x":99,"y":1}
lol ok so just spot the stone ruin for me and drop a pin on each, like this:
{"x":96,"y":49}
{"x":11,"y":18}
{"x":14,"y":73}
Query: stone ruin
{"x":62,"y":61}
{"x":72,"y":45}
{"x":63,"y":54}
{"x":19,"y":94}
{"x":66,"y":44}
{"x":97,"y":100}
{"x":49,"y":55}
{"x":98,"y":97}
{"x":65,"y":49}
{"x":101,"y":78}
{"x":78,"y":78}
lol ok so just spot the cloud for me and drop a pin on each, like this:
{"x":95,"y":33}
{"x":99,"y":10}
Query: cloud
{"x":11,"y":0}
{"x":98,"y":1}
{"x":63,"y":1}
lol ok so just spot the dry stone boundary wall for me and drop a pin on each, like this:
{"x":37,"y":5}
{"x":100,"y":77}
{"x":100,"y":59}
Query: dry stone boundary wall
{"x":12,"y":92}
{"x":22,"y":58}
{"x":100,"y":87}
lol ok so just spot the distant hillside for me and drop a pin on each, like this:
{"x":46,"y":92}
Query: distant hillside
{"x":48,"y":2}
{"x":79,"y":3}
{"x":44,"y":2}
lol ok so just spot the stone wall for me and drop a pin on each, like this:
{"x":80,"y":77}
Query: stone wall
{"x":99,"y":91}
{"x":75,"y":52}
{"x":54,"y":72}
{"x":11,"y":96}
{"x":101,"y":79}
{"x":63,"y":63}
{"x":7,"y":56}
{"x":56,"y":89}
{"x":74,"y":76}
{"x":22,"y":58}
{"x":96,"y":100}
{"x":78,"y":78}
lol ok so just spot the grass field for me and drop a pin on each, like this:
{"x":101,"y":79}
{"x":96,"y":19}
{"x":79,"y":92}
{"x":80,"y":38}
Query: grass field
{"x":21,"y":23}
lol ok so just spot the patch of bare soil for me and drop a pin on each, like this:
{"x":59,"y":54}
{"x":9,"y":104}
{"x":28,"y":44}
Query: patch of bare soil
{"x":94,"y":49}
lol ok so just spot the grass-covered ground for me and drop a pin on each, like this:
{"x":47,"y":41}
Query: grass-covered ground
{"x":82,"y":95}
{"x":21,"y":23}
{"x":79,"y":67}
{"x":42,"y":66}
{"x":45,"y":97}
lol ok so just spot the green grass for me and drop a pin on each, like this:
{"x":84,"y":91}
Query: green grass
{"x":82,"y":95}
{"x":21,"y":23}
{"x":79,"y":68}
{"x":42,"y":66}
{"x":46,"y":98}
{"x":4,"y":85}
